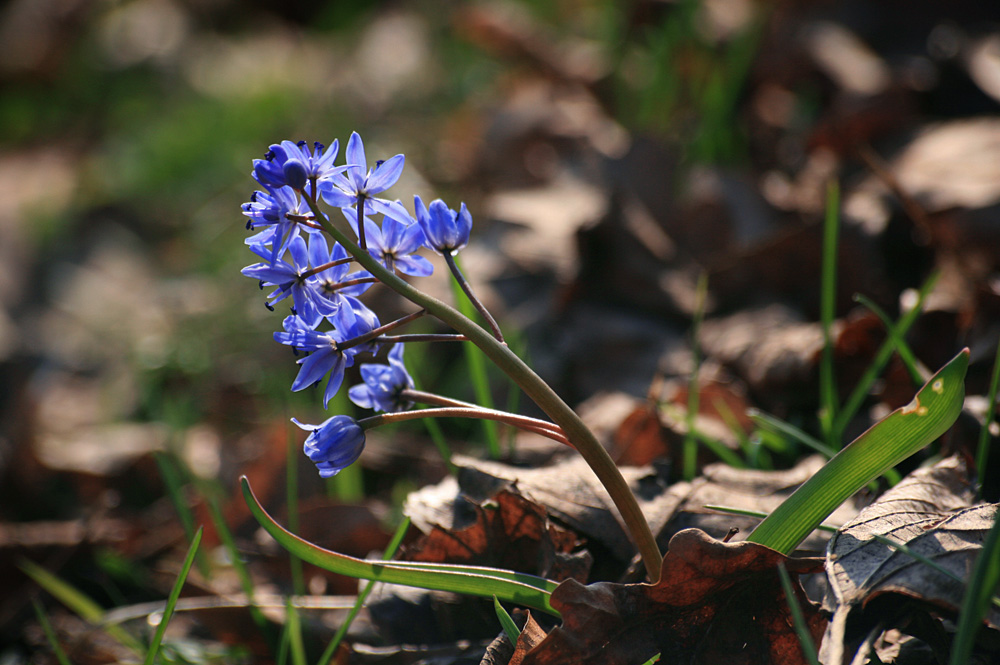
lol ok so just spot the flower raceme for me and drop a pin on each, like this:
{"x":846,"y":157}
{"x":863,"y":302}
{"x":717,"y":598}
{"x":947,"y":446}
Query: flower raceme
{"x":328,"y":324}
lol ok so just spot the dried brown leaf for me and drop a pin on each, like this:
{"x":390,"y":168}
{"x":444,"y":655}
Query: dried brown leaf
{"x":715,"y":603}
{"x":509,"y":532}
{"x":931,"y":512}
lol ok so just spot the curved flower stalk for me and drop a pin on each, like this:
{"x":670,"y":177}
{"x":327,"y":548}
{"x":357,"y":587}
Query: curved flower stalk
{"x":315,"y":280}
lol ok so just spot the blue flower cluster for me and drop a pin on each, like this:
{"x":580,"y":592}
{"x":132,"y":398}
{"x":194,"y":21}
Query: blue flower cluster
{"x":328,"y":323}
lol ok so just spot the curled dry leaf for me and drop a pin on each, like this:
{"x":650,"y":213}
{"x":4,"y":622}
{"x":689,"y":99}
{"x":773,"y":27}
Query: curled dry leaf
{"x":931,"y":513}
{"x":715,"y":603}
{"x":509,"y":532}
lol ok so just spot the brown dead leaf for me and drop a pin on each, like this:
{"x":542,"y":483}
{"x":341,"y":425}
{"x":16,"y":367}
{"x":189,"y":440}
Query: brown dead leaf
{"x":715,"y":603}
{"x":930,"y":512}
{"x":530,"y":637}
{"x":509,"y":532}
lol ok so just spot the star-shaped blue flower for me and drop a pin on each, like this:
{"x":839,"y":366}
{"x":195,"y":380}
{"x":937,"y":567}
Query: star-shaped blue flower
{"x":334,"y":444}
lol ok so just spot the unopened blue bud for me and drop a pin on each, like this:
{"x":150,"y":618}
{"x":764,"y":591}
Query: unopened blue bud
{"x":295,"y":174}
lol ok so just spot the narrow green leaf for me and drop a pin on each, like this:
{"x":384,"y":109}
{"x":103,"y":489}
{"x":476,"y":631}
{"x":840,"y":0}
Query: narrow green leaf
{"x":690,"y":448}
{"x":894,"y":342}
{"x":798,"y":621}
{"x":509,"y":627}
{"x":976,"y":603}
{"x":518,"y":588}
{"x":77,"y":601}
{"x":827,"y":305}
{"x":890,"y":441}
{"x":477,"y":371}
{"x":390,"y":550}
{"x":50,"y":633}
{"x":175,"y":593}
{"x":983,"y":449}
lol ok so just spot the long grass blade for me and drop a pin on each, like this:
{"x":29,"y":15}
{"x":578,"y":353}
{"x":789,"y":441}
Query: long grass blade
{"x":50,"y":634}
{"x":798,"y":620}
{"x":175,"y":593}
{"x":690,"y":454}
{"x":509,"y":586}
{"x":77,"y":601}
{"x":903,"y":432}
{"x":827,"y":304}
{"x":976,"y":603}
{"x":509,"y":627}
{"x":882,"y":356}
{"x":983,"y":449}
{"x":477,"y":372}
{"x":390,"y":551}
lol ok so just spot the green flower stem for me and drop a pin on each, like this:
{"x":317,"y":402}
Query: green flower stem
{"x":467,"y":289}
{"x":577,"y":433}
{"x":523,"y":422}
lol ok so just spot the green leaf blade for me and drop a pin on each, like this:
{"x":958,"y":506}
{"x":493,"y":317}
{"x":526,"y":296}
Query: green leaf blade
{"x":518,"y":588}
{"x":887,"y":443}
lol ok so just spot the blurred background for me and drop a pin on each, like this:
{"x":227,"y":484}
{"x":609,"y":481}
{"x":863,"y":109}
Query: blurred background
{"x":610,"y":152}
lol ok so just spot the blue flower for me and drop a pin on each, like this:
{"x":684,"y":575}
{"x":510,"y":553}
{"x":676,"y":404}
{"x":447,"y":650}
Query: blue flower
{"x":342,"y":190}
{"x":334,"y":444}
{"x":280,"y":210}
{"x":290,"y":278}
{"x":328,"y":293}
{"x":393,"y":244}
{"x":294,"y":164}
{"x":325,"y":355}
{"x":446,"y":231}
{"x":383,"y":384}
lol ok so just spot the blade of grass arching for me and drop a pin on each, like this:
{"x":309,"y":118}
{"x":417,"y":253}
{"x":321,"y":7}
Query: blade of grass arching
{"x":729,"y":418}
{"x":903,"y":432}
{"x":175,"y":482}
{"x":292,"y":500}
{"x":690,"y":454}
{"x":983,"y":449}
{"x":77,"y":601}
{"x":50,"y":633}
{"x":434,"y":429}
{"x":798,"y":620}
{"x":226,"y":536}
{"x":175,"y":593}
{"x":293,"y":633}
{"x":827,"y":305}
{"x":930,"y":563}
{"x":509,"y":627}
{"x":882,"y":356}
{"x":765,"y":420}
{"x":975,"y":604}
{"x":477,"y":371}
{"x":756,"y":513}
{"x":390,"y":551}
{"x":514,"y":587}
{"x":720,"y":450}
{"x":895,"y":333}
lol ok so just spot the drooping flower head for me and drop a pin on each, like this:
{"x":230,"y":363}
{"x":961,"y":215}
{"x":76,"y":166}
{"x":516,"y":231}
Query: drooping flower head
{"x":394,"y":244}
{"x":342,"y":190}
{"x":446,"y":231}
{"x":384,"y":384}
{"x":334,"y":444}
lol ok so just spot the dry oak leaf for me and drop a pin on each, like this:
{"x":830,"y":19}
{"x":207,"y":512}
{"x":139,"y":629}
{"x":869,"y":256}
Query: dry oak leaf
{"x":931,"y":512}
{"x":715,"y":603}
{"x":509,"y":532}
